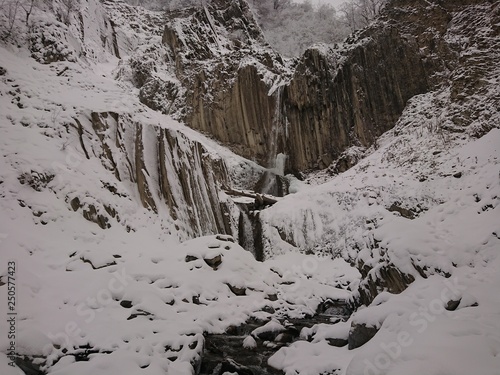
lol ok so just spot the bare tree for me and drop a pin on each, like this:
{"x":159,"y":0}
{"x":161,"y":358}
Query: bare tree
{"x":28,"y":7}
{"x":359,"y":13}
{"x":369,"y":9}
{"x":10,"y":9}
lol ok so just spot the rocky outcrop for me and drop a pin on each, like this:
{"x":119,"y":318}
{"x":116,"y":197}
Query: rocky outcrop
{"x":230,"y":75}
{"x":385,"y":278}
{"x":170,"y":172}
{"x":242,"y":93}
{"x":350,"y":94}
{"x":337,"y":97}
{"x":340,"y":99}
{"x":360,"y":334}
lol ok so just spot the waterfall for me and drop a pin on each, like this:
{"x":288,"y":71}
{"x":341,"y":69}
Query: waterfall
{"x":250,"y":232}
{"x":272,"y":182}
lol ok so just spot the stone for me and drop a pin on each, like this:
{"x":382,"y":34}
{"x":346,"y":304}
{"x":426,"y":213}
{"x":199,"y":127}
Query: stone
{"x":360,"y":334}
{"x":126,"y":304}
{"x":109,"y":264}
{"x":272,"y":297}
{"x":190,"y":258}
{"x":339,"y":342}
{"x":28,"y":365}
{"x":239,"y":291}
{"x":452,"y":305}
{"x":140,"y":313}
{"x":225,"y":238}
{"x":404,"y":212}
{"x":214,"y":262}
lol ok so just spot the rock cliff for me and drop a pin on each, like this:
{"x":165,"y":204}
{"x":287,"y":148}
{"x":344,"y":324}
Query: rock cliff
{"x":230,"y":75}
{"x":446,"y":51}
{"x":245,"y":95}
{"x":170,"y":171}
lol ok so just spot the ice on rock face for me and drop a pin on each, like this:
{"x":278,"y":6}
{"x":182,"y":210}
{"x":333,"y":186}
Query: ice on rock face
{"x":139,"y":295}
{"x":279,"y":165}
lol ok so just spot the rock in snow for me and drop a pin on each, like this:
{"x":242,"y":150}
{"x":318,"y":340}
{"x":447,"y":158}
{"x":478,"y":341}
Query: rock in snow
{"x":123,"y":131}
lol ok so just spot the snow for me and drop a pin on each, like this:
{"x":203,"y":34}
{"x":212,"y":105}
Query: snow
{"x":131,"y":295}
{"x":249,"y":343}
{"x":453,"y":233}
{"x":6,"y":368}
{"x":142,"y":293}
{"x":307,"y":358}
{"x":271,"y":326}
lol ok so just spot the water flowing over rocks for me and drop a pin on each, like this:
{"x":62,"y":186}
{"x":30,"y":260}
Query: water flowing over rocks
{"x":245,"y":349}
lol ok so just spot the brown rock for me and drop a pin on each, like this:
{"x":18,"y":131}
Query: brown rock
{"x":214,"y":262}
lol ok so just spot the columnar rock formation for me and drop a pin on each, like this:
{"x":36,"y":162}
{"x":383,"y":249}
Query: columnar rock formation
{"x":338,"y":99}
{"x":215,"y":72}
{"x":334,"y":97}
{"x":230,"y":75}
{"x":169,"y":169}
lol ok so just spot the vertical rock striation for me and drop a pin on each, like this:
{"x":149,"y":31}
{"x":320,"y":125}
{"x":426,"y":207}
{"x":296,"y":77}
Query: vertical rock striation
{"x":230,"y":75}
{"x":332,"y":98}
{"x":342,"y":98}
{"x":171,"y":172}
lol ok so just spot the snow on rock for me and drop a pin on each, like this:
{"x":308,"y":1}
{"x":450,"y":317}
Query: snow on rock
{"x":420,"y":210}
{"x":97,"y":192}
{"x":307,"y":358}
{"x":249,"y":343}
{"x":272,"y":327}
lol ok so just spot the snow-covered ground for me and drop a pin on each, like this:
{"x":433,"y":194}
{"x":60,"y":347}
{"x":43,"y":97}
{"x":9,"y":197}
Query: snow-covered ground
{"x":450,"y":246}
{"x":132,"y":293}
{"x":135,"y":299}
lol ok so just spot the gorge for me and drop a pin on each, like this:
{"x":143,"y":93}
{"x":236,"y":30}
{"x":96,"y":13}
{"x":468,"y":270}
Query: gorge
{"x":169,"y":182}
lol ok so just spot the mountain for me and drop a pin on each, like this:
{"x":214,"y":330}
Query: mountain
{"x":178,"y":198}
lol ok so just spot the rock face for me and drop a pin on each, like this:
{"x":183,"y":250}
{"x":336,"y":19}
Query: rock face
{"x":214,"y":71}
{"x":230,"y":76}
{"x":242,"y":93}
{"x":387,"y":277}
{"x":170,"y":171}
{"x":340,"y":99}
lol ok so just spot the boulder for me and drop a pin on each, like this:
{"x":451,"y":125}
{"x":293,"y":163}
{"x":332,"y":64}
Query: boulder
{"x":360,"y":334}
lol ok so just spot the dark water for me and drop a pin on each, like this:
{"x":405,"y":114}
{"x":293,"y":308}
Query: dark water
{"x":225,"y":352}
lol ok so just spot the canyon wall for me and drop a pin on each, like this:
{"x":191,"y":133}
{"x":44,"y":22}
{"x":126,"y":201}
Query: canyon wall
{"x":312,"y":109}
{"x":230,"y":75}
{"x":175,"y":177}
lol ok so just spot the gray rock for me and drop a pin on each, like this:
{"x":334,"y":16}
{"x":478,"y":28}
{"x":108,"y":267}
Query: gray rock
{"x":236,"y":290}
{"x":452,"y":305}
{"x":360,"y":334}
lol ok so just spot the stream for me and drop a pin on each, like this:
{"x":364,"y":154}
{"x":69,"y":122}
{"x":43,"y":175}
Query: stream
{"x":224,"y":353}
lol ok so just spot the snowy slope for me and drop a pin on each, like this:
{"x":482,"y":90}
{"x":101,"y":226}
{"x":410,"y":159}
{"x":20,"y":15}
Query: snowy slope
{"x":106,"y":285}
{"x":100,"y":275}
{"x":425,"y":203}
